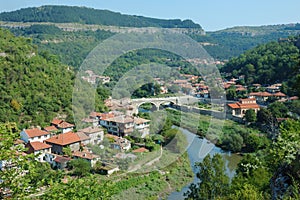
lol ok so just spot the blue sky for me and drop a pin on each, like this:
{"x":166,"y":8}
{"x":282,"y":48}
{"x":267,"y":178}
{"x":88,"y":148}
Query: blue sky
{"x":210,"y":14}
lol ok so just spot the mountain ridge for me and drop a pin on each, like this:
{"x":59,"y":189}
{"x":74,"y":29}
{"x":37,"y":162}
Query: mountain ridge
{"x":85,"y":15}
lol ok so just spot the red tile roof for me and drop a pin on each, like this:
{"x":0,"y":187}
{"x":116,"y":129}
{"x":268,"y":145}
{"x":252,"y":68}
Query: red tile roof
{"x":85,"y":155}
{"x":35,"y":132}
{"x":65,"y":125}
{"x":260,"y":94}
{"x":39,"y":146}
{"x":56,"y":121}
{"x":61,"y":159}
{"x":279,"y":94}
{"x":140,"y":150}
{"x":50,"y":128}
{"x":64,"y":139}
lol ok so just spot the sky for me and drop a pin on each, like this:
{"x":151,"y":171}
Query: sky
{"x":212,"y":15}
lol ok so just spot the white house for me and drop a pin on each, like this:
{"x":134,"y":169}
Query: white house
{"x":95,"y":134}
{"x":142,"y":126}
{"x":62,"y":125}
{"x":34,"y":135}
{"x":39,"y":149}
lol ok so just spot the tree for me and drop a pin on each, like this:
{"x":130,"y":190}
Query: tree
{"x":80,"y":167}
{"x":250,"y":115}
{"x":264,"y":116}
{"x":233,"y":142}
{"x":213,"y":181}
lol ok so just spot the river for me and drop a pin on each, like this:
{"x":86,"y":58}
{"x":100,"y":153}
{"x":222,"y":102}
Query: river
{"x":198,"y":148}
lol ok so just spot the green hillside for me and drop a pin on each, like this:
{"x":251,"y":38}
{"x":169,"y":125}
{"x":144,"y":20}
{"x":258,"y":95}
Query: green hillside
{"x":274,"y":62}
{"x":231,"y":42}
{"x":73,"y":14}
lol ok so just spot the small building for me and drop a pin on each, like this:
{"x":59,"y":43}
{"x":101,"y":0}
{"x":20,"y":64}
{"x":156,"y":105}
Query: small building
{"x":142,"y":126}
{"x":58,"y":142}
{"x":119,"y":143}
{"x":39,"y":149}
{"x":260,"y":97}
{"x":84,"y":139}
{"x":121,"y":125}
{"x":95,"y":134}
{"x":90,"y":157}
{"x":239,"y":109}
{"x":51,"y":129}
{"x":62,"y":125}
{"x":107,"y":168}
{"x":34,"y":135}
{"x":60,"y":162}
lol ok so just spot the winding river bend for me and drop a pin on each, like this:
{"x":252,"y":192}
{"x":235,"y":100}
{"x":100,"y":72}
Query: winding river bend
{"x":197,"y":150}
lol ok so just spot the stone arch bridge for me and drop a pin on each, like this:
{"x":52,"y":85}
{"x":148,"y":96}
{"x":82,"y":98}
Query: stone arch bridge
{"x":157,"y":102}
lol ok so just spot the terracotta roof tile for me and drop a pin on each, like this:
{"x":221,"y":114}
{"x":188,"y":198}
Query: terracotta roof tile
{"x":50,"y":128}
{"x":39,"y":146}
{"x":65,"y":125}
{"x":61,"y":159}
{"x":64,"y":139}
{"x":35,"y":132}
{"x":140,"y":150}
{"x":85,"y":155}
{"x":56,"y":121}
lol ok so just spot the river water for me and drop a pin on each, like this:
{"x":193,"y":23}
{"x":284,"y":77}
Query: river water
{"x":198,"y":148}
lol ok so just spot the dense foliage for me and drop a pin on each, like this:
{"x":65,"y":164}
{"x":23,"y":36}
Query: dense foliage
{"x":272,"y":172}
{"x":269,"y":63}
{"x":70,"y":47}
{"x":35,"y":87}
{"x":68,"y":14}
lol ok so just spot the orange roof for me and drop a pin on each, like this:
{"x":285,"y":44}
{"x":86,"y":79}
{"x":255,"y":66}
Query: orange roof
{"x":64,"y":139}
{"x":243,"y":106}
{"x":50,"y":128}
{"x":260,"y":94}
{"x":106,"y":115}
{"x":56,"y":121}
{"x":233,"y":105}
{"x":140,"y":150}
{"x":112,"y":136}
{"x":294,"y":98}
{"x":85,"y":155}
{"x":279,"y":94}
{"x":35,"y":132}
{"x":39,"y":146}
{"x":61,"y":159}
{"x":65,"y":125}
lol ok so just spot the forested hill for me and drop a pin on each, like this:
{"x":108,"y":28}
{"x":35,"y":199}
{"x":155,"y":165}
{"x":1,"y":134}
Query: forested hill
{"x":83,"y":15}
{"x":34,"y":86}
{"x":274,"y":62}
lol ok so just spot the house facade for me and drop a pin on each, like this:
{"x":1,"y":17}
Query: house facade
{"x":34,"y":135}
{"x":58,"y":142}
{"x":239,"y":109}
{"x":95,"y":134}
{"x":39,"y":149}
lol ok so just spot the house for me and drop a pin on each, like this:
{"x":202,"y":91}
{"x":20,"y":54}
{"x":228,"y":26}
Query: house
{"x":142,"y":126}
{"x":119,"y":143}
{"x":140,"y":150}
{"x":260,"y":97}
{"x":273,"y":88}
{"x":95,"y":134}
{"x":40,"y":149}
{"x":34,"y":135}
{"x":84,"y":139}
{"x":58,"y":142}
{"x":107,"y":168}
{"x":51,"y":129}
{"x":90,"y":157}
{"x":120,"y":125}
{"x":239,"y":109}
{"x":60,"y":162}
{"x":62,"y":125}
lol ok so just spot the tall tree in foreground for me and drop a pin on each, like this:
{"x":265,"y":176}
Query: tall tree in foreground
{"x":214,"y":183}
